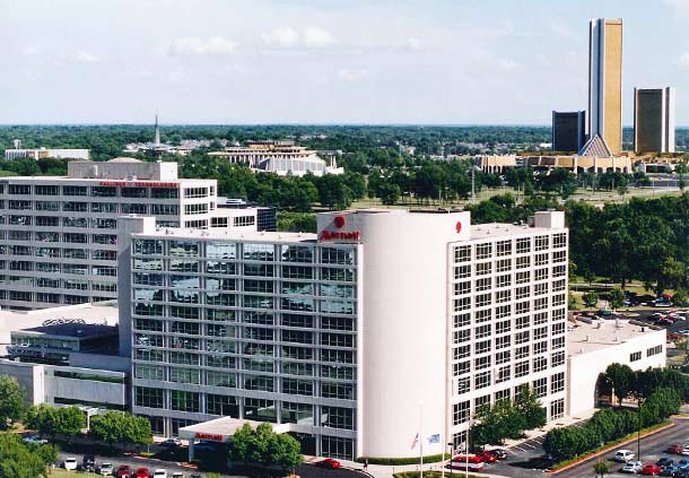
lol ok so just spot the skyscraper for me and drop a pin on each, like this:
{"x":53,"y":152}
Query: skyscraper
{"x":654,"y":120}
{"x":569,"y":130}
{"x":605,"y":81}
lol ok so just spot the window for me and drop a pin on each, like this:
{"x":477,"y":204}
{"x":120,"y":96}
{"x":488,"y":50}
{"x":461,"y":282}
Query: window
{"x":557,"y":382}
{"x":558,"y":343}
{"x":521,"y":369}
{"x":523,"y":245}
{"x":460,"y":304}
{"x":41,"y":190}
{"x":522,"y":352}
{"x":460,"y":336}
{"x":542,"y":242}
{"x":557,"y":408}
{"x":540,"y":333}
{"x":484,"y":251}
{"x":463,"y":385}
{"x":541,"y":274}
{"x":462,"y":320}
{"x":540,"y":318}
{"x":504,"y":248}
{"x":540,"y":347}
{"x":503,"y":311}
{"x":504,"y":374}
{"x":483,"y":315}
{"x":503,"y":326}
{"x":297,"y":387}
{"x":658,"y":349}
{"x":503,"y":357}
{"x":482,"y":347}
{"x":462,"y":272}
{"x":504,"y":265}
{"x":482,"y":380}
{"x":483,"y":268}
{"x":185,"y":401}
{"x":504,"y":280}
{"x":522,"y":292}
{"x":461,"y":412}
{"x":540,"y":289}
{"x":461,"y":352}
{"x":540,"y":387}
{"x":149,"y":397}
{"x":461,"y":368}
{"x":523,"y":277}
{"x":559,"y":240}
{"x":483,"y":300}
{"x":463,"y":254}
{"x":540,"y":364}
{"x":633,"y":357}
{"x":482,"y":362}
{"x":523,"y":307}
{"x":484,"y":284}
{"x":503,"y":342}
{"x":337,"y":417}
{"x":195,"y":192}
{"x":557,"y":358}
{"x":503,"y":296}
{"x":559,"y":256}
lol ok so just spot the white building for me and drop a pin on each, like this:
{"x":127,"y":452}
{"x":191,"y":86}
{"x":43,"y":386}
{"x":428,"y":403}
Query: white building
{"x":58,"y":235}
{"x":385,"y":324}
{"x":42,"y":153}
{"x":591,"y":347}
{"x":279,"y":157}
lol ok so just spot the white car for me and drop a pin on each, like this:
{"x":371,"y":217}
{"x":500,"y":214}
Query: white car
{"x":632,"y":467}
{"x":623,"y":456}
{"x":160,"y":473}
{"x":106,"y":469}
{"x":70,"y":463}
{"x":33,"y":439}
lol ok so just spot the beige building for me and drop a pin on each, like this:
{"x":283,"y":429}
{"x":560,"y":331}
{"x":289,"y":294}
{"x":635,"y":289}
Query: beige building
{"x":605,"y":81}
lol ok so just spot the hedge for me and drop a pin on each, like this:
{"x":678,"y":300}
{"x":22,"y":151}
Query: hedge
{"x":414,"y":460}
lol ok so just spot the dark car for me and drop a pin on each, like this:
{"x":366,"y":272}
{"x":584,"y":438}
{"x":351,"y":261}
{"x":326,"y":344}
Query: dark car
{"x":665,"y":461}
{"x":88,"y":463}
{"x":498,"y":453}
{"x":675,"y":449}
{"x":123,"y":471}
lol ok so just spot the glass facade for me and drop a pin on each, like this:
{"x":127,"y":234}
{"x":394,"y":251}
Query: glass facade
{"x":258,"y":331}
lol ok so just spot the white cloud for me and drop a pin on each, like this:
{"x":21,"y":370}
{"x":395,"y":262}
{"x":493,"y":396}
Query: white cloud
{"x":413,"y":43}
{"x":31,"y":50}
{"x":215,"y":45}
{"x":86,"y":57}
{"x":315,"y":37}
{"x":282,"y":37}
{"x":347,"y":75}
{"x":684,"y":60}
{"x":681,"y":5}
{"x":507,"y":65}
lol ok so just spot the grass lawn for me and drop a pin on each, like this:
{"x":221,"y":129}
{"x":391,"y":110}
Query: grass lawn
{"x":60,"y":473}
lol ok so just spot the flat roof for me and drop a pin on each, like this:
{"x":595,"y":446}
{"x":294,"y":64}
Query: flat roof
{"x":135,"y":182}
{"x":73,"y":330}
{"x":583,"y":337}
{"x":221,"y":429}
{"x":496,"y":229}
{"x":230,"y":234}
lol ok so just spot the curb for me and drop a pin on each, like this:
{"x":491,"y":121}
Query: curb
{"x":608,"y":449}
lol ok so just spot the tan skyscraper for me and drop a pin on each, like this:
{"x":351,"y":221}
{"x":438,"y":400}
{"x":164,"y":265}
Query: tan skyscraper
{"x":605,"y":81}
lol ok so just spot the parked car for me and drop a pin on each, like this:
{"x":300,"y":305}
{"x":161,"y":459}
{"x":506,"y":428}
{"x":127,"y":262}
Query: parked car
{"x":463,"y":465}
{"x":160,"y":473}
{"x":498,"y":453}
{"x":105,"y":469}
{"x":178,"y":474}
{"x":172,"y":442}
{"x":632,"y":467}
{"x":487,"y":457}
{"x":650,"y":469}
{"x":329,"y":463}
{"x":70,"y":463}
{"x":623,"y":456}
{"x":141,"y":472}
{"x":88,"y":464}
{"x":34,"y":439}
{"x":665,"y":461}
{"x":123,"y":471}
{"x":675,"y":449}
{"x":664,"y":321}
{"x":467,"y":458}
{"x":670,"y":470}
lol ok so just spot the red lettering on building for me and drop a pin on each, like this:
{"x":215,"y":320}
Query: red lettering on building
{"x":339,"y":221}
{"x":458,"y":227}
{"x":209,"y":436}
{"x":339,"y":235}
{"x":138,"y":184}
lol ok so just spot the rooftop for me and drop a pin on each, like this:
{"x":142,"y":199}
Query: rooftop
{"x":72,"y":330}
{"x":231,"y":234}
{"x":481,"y":231}
{"x":584,"y":337}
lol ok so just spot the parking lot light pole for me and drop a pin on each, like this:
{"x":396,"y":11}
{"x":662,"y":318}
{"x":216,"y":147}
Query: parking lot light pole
{"x":452,"y":448}
{"x":638,"y":431}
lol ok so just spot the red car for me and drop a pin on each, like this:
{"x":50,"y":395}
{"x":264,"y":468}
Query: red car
{"x":329,"y":463}
{"x":675,"y":449}
{"x":651,"y":469}
{"x":123,"y":471}
{"x":487,"y":456}
{"x":141,"y":473}
{"x":468,"y":459}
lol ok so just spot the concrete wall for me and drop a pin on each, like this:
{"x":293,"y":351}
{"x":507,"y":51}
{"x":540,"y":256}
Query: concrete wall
{"x":30,"y":376}
{"x":584,"y":368}
{"x":123,"y":170}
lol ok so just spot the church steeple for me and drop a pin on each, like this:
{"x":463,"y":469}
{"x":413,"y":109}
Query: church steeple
{"x":156,"y":139}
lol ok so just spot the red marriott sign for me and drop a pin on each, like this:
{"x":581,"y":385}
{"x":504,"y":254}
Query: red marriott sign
{"x":209,"y":436}
{"x":339,"y":235}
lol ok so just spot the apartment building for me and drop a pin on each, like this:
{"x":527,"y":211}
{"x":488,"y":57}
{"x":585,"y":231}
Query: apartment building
{"x":58,"y":235}
{"x":383,"y":325}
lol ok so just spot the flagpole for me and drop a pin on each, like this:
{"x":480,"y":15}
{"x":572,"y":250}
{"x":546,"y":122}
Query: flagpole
{"x":421,"y":440}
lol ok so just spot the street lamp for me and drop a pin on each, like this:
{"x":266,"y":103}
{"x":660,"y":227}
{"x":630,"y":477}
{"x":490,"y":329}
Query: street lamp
{"x":638,"y":430}
{"x":452,"y":447}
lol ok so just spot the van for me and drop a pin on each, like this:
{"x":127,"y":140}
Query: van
{"x":623,"y":456}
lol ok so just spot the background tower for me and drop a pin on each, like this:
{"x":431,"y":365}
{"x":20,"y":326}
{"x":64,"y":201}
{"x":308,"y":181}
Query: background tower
{"x":654,"y":120}
{"x":605,"y":81}
{"x":156,"y":139}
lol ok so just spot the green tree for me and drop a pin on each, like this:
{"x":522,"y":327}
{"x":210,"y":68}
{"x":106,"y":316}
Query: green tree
{"x":18,"y":460}
{"x":590,"y":299}
{"x":264,"y":447}
{"x":115,"y":427}
{"x":616,"y":298}
{"x":621,"y":377}
{"x":601,"y":468}
{"x":528,"y":406}
{"x":389,"y":193}
{"x":12,"y":400}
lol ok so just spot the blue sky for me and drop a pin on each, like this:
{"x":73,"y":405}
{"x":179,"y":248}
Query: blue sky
{"x":324,"y":61}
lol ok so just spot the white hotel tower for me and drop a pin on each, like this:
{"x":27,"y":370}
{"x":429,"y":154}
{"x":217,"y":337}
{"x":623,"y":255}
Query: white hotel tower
{"x":385,"y":324}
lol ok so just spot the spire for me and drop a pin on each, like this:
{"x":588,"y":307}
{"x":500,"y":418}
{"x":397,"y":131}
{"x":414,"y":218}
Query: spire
{"x":156,"y":139}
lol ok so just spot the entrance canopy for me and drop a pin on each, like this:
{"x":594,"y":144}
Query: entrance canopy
{"x":221,"y":429}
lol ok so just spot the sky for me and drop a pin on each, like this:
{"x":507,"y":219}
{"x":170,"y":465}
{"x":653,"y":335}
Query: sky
{"x":324,"y":61}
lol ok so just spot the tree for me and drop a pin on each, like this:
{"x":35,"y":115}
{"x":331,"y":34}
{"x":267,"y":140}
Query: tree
{"x":120,"y":427}
{"x":590,"y":299}
{"x":17,"y":460}
{"x":616,"y":298}
{"x":264,"y":447}
{"x":601,"y":468}
{"x":621,"y":378}
{"x":389,"y":193}
{"x":12,"y":400}
{"x":528,"y":406}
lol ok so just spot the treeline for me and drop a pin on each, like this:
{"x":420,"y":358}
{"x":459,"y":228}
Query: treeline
{"x":659,"y":393}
